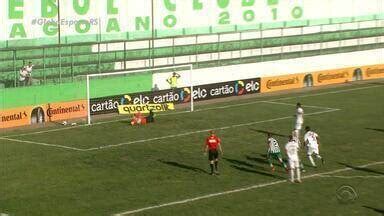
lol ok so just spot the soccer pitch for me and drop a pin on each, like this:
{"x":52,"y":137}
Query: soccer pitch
{"x":112,"y":168}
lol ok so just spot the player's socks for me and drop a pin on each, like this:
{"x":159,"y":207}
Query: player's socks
{"x":284,"y":165}
{"x":321,"y":158}
{"x":298,"y":175}
{"x":292,"y":175}
{"x":302,"y":167}
{"x":311,"y":160}
{"x":216,"y":163}
{"x":297,"y":133}
{"x":211,"y":165}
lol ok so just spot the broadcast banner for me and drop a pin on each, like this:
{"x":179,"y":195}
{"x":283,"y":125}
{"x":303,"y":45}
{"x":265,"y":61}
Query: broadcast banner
{"x":180,"y":95}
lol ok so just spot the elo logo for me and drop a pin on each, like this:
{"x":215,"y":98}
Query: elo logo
{"x":239,"y":87}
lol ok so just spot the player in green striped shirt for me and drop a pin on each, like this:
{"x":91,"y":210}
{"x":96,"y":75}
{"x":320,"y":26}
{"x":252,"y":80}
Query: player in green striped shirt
{"x":274,"y":152}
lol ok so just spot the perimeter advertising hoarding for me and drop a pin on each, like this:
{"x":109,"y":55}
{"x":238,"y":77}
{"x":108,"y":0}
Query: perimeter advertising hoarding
{"x":180,"y":95}
{"x":15,"y":117}
{"x":333,"y":76}
{"x":43,"y":113}
{"x":373,"y":72}
{"x":285,"y":82}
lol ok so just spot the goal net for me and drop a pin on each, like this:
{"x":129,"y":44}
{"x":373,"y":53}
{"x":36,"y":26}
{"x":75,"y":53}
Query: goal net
{"x":167,"y":86}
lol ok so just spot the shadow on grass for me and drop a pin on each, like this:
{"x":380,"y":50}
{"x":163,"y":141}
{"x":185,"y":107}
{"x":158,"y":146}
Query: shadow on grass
{"x":267,"y":132}
{"x":125,"y":122}
{"x":250,"y":168}
{"x":376,"y":83}
{"x":361,"y":169}
{"x":183,"y":166}
{"x":239,"y":162}
{"x":256,"y":172}
{"x":375,"y":209}
{"x":375,"y":129}
{"x":263,"y":160}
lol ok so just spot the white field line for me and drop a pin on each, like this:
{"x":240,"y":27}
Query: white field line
{"x":352,"y":177}
{"x":237,"y":190}
{"x":41,"y":143}
{"x":165,"y":137}
{"x":204,"y":130}
{"x":204,"y":109}
{"x":85,"y":125}
{"x":304,"y":106}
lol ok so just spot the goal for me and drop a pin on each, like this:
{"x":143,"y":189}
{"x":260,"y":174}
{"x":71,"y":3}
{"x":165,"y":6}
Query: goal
{"x":105,"y":91}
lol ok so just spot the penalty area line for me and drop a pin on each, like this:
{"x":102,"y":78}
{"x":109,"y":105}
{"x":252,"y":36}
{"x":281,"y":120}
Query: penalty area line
{"x":41,"y":143}
{"x":236,"y":191}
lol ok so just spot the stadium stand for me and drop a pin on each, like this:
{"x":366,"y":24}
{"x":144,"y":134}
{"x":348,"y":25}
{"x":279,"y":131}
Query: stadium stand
{"x":67,"y":62}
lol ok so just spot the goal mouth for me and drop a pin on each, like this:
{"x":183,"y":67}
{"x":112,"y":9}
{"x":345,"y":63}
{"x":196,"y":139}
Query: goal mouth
{"x":157,"y":87}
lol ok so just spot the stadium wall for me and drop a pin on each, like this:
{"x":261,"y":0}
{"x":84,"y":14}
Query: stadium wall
{"x":35,"y":23}
{"x":276,"y":68}
{"x":33,"y":105}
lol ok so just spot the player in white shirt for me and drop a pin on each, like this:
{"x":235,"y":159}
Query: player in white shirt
{"x":299,"y":119}
{"x":274,"y":152}
{"x":312,"y":143}
{"x":296,"y":139}
{"x":292,"y":149}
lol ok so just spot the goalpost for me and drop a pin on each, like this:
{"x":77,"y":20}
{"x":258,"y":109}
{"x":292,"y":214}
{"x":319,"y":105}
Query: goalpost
{"x":159,"y":77}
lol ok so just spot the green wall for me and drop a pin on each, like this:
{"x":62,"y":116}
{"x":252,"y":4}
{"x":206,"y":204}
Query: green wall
{"x":34,"y":95}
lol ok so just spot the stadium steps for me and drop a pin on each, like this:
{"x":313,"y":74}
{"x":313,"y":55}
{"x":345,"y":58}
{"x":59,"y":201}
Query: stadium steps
{"x":84,"y":61}
{"x":66,"y":75}
{"x":84,"y":56}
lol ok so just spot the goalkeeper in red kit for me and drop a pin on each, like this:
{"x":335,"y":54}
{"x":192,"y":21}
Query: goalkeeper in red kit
{"x":213,"y":146}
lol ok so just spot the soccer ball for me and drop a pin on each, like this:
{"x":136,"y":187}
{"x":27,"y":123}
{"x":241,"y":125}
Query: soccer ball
{"x":64,"y":123}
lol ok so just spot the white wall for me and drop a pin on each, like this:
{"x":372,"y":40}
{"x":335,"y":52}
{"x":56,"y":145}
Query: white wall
{"x":186,"y":15}
{"x":274,"y":68}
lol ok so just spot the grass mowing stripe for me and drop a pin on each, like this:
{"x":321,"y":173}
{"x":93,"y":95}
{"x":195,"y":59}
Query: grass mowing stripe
{"x":163,"y":137}
{"x":304,"y":106}
{"x":238,"y":190}
{"x":42,"y":144}
{"x":200,"y":110}
{"x":84,"y":125}
{"x":204,"y":130}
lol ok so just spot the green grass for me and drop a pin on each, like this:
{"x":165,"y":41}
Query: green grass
{"x":45,"y":180}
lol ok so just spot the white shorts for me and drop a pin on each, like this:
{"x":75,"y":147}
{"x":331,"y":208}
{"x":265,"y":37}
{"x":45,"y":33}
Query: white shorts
{"x":312,"y":150}
{"x":293,"y":164}
{"x":298,"y":126}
